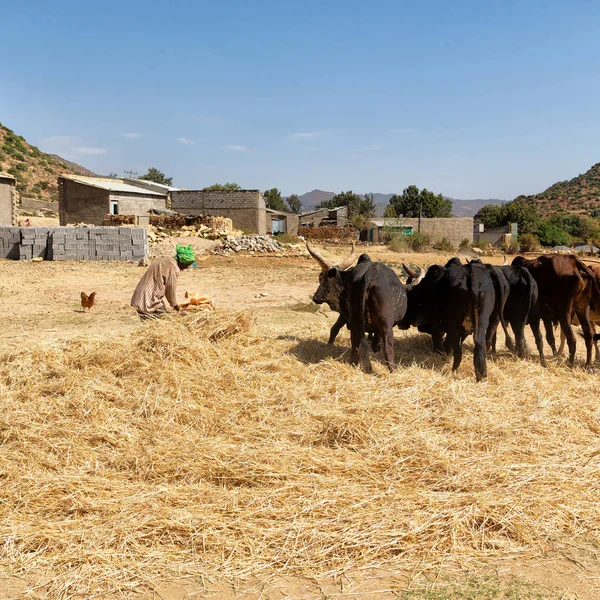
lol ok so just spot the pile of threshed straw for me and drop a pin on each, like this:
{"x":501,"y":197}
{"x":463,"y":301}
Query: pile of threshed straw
{"x":212,"y":445}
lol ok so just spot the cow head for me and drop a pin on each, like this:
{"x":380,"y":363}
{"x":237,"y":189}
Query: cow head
{"x":330,"y":279}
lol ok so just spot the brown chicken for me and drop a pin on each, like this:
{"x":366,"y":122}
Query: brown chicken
{"x":87,"y":301}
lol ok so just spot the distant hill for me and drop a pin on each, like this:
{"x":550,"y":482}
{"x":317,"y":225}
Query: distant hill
{"x":578,"y":195}
{"x":461,"y":208}
{"x":36,"y":171}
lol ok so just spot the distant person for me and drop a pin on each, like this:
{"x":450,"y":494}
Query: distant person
{"x":27,"y":223}
{"x":160,"y":282}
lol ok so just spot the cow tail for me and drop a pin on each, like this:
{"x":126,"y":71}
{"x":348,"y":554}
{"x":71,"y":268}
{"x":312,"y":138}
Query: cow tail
{"x":531,"y":300}
{"x":364,"y":348}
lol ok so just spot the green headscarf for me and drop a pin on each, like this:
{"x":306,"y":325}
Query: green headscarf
{"x":185,"y":255}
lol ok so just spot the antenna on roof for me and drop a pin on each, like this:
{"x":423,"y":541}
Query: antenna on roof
{"x":130,"y":173}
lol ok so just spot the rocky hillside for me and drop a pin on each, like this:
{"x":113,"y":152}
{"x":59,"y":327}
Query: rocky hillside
{"x":578,"y":195}
{"x":35,"y":171}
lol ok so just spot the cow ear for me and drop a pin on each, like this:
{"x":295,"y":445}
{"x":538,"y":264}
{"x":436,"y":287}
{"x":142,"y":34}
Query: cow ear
{"x":331,"y":273}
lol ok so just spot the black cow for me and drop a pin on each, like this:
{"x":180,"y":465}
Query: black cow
{"x":455,"y":300}
{"x":370,"y":298}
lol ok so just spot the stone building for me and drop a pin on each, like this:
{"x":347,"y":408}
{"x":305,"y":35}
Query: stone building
{"x":88,"y":199}
{"x":335,"y":217}
{"x":455,"y":229}
{"x":8,"y":199}
{"x":246,"y":208}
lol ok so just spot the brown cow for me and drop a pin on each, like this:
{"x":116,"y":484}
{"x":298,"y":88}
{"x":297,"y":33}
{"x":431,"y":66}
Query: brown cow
{"x":594,"y":318}
{"x":566,"y":286}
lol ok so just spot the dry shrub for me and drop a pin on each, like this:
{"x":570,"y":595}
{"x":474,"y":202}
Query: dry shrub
{"x":206,"y":446}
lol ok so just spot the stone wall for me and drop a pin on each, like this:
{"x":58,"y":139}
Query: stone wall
{"x":246,"y":208}
{"x":34,"y":204}
{"x":455,"y":229}
{"x":7,"y":191}
{"x":74,"y":243}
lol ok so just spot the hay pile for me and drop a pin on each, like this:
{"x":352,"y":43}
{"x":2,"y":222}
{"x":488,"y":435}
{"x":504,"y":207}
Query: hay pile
{"x":215,"y":445}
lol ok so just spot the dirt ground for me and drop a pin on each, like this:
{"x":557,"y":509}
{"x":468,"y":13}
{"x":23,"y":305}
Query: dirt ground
{"x":41,"y":303}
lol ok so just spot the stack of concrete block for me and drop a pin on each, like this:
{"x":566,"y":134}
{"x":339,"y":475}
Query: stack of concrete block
{"x":34,"y":243}
{"x":10,"y":241}
{"x":74,"y":243}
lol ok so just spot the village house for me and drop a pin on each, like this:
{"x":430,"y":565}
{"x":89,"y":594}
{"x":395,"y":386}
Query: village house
{"x":89,"y":199}
{"x":8,"y":197}
{"x":321,"y":217}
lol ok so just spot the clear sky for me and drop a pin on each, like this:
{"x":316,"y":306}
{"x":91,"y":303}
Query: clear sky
{"x":470,"y":98}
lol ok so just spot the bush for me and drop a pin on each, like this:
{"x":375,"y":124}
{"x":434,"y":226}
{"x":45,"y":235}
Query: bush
{"x":445,"y":245}
{"x":286,"y":238}
{"x":404,"y":243}
{"x":464,"y":244}
{"x":528,"y":242}
{"x":511,"y":248}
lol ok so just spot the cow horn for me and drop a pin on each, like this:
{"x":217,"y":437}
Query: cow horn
{"x":505,"y":261}
{"x":350,"y":260}
{"x":324,"y":264}
{"x":410,"y":272}
{"x":420,"y":277}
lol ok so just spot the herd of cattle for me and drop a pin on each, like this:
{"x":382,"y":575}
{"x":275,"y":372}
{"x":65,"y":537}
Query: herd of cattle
{"x":456,"y":300}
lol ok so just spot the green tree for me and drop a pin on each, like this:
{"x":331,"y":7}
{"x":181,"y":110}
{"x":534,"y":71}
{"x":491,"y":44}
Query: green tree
{"x":525,"y":214}
{"x":492,"y":215}
{"x":552,"y":235}
{"x":113,"y":175}
{"x":274,"y":200}
{"x":234,"y":187}
{"x":157,"y":176}
{"x":413,"y":202}
{"x":294,"y":203}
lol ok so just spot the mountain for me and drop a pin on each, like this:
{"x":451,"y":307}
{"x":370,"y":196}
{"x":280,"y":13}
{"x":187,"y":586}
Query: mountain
{"x":469,"y":208}
{"x":578,"y":195}
{"x":311,"y":199}
{"x":461,"y":208}
{"x":35,"y":171}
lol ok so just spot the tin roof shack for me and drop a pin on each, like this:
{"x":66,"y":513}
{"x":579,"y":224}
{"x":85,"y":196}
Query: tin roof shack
{"x":282,"y":222}
{"x":246,"y":208}
{"x":8,"y":199}
{"x":325,"y":217}
{"x":89,"y":199}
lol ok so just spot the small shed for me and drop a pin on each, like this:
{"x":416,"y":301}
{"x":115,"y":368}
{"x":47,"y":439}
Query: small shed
{"x":88,"y":199}
{"x":282,"y":222}
{"x":8,"y":197}
{"x":325,"y":217}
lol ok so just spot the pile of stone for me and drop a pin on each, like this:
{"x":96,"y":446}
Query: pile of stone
{"x":214,"y":228}
{"x":248,"y":243}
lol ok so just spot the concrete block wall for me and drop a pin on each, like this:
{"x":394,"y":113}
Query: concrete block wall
{"x":246,"y":208}
{"x":455,"y":229}
{"x":74,"y":243}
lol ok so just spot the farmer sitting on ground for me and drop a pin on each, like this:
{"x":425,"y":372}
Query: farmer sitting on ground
{"x":159,"y":282}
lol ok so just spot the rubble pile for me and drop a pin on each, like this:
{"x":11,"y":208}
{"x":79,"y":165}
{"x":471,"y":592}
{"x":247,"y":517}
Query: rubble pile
{"x":213,"y":228}
{"x":249,"y":243}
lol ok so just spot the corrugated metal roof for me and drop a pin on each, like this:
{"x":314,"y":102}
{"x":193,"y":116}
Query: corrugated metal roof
{"x":4,"y":175}
{"x":167,"y":188}
{"x":112,"y":185}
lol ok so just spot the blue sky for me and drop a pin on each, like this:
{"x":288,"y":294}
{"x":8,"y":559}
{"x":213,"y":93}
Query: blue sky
{"x":473,"y":99}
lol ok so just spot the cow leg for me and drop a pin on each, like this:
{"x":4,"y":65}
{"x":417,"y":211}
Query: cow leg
{"x":563,"y":339}
{"x":388,"y":347}
{"x":596,"y":349}
{"x":447,"y":344}
{"x":335,"y":329}
{"x":565,"y":324}
{"x":518,"y":326}
{"x":588,"y":335}
{"x":534,"y":323}
{"x":549,"y":327}
{"x":454,"y":338}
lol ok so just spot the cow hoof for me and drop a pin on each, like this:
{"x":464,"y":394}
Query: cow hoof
{"x":591,"y":370}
